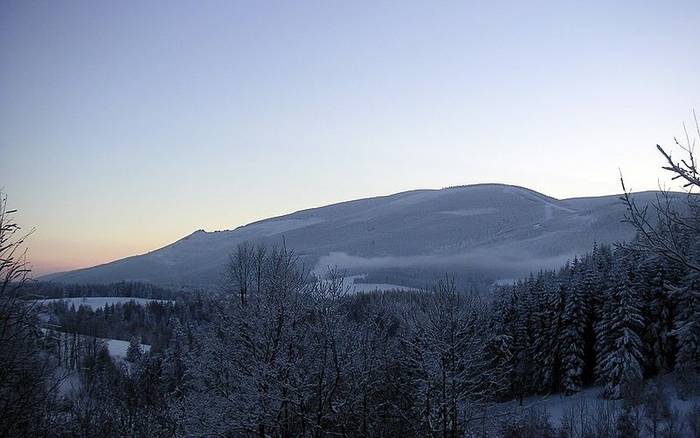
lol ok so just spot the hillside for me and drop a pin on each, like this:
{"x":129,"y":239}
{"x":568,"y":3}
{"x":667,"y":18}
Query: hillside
{"x":494,"y":231}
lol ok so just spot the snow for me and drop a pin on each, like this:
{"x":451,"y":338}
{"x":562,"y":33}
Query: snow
{"x":466,"y":212}
{"x":415,"y":197}
{"x":99,"y":302}
{"x":353,"y":288}
{"x":480,"y":226}
{"x":549,"y":203}
{"x":272,"y":227}
{"x":118,"y":348}
{"x":588,"y":401}
{"x":68,"y":381}
{"x":505,"y":282}
{"x":558,"y":405}
{"x":370,"y":287}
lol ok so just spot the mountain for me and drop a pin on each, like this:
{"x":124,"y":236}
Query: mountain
{"x":485,"y":231}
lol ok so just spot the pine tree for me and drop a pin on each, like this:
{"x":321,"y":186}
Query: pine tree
{"x":687,"y":322}
{"x":134,"y":352}
{"x":553,"y":355}
{"x":591,"y":295}
{"x":546,"y":321}
{"x":501,"y":347}
{"x":174,"y":358}
{"x":622,"y":363}
{"x":572,"y":337}
{"x":659,"y":312}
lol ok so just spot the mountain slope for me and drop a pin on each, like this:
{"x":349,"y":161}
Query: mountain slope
{"x":504,"y":231}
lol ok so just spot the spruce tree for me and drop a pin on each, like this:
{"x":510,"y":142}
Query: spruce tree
{"x":134,"y":352}
{"x":687,"y":322}
{"x":622,"y":363}
{"x":659,"y":311}
{"x":572,"y":337}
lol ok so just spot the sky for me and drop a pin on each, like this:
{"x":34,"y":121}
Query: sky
{"x":127,"y":125}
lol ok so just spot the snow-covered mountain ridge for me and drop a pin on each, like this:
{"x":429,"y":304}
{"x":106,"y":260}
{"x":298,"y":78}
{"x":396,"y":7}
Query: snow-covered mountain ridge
{"x":502,"y":230}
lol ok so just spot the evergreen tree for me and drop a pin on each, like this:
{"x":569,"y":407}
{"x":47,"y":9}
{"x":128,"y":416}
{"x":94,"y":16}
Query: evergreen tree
{"x":173,"y":376}
{"x":658,"y":310}
{"x":572,"y":336}
{"x":591,"y":296}
{"x":134,"y":352}
{"x":552,"y":362}
{"x":622,"y":362}
{"x":687,"y":323}
{"x":501,"y":347}
{"x":545,"y":346}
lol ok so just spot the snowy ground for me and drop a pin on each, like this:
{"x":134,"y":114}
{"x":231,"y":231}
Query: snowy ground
{"x":558,"y":406}
{"x":505,"y":282}
{"x":99,"y":302}
{"x":586,"y":403}
{"x":353,"y":287}
{"x":118,"y":348}
{"x":69,"y":381}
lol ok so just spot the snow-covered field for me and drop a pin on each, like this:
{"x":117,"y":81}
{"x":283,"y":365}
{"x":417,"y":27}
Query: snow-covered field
{"x":371,"y":287}
{"x":115,"y":347}
{"x":587,"y":403}
{"x":99,"y":302}
{"x":353,"y":288}
{"x":557,"y":406}
{"x":118,"y":348}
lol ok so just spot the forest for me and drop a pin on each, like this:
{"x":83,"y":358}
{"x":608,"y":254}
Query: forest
{"x":279,"y":352}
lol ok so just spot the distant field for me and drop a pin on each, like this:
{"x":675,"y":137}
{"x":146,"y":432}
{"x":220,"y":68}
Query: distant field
{"x":354,"y":287}
{"x":118,"y":348}
{"x":115,"y":347}
{"x":99,"y":302}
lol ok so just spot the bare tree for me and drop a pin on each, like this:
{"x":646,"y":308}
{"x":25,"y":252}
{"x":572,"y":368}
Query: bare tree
{"x":675,"y":237}
{"x":244,"y":365}
{"x":327,"y":336}
{"x":13,"y":264}
{"x":448,"y":350}
{"x":239,"y":271}
{"x":664,"y":229}
{"x":25,"y":373}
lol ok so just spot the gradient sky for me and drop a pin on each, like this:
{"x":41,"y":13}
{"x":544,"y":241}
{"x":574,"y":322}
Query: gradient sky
{"x":126,"y":125}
